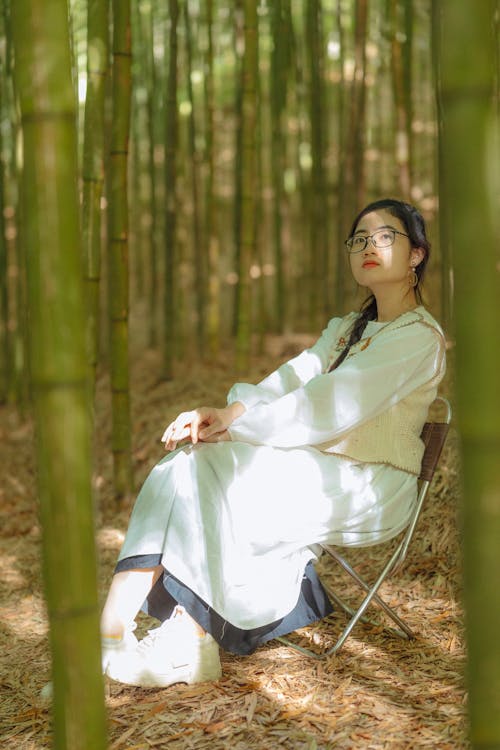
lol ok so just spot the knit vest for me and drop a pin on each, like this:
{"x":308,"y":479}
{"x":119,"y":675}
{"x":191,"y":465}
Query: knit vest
{"x":392,"y":437}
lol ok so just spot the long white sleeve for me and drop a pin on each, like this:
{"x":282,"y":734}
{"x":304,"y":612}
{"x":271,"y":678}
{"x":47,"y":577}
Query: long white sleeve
{"x":290,"y":375}
{"x":364,"y":385}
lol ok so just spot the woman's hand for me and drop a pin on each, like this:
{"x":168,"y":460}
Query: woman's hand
{"x":219,"y":437}
{"x":178,"y":430}
{"x":206,"y":424}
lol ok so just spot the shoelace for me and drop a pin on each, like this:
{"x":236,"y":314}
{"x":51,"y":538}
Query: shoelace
{"x":166,"y":630}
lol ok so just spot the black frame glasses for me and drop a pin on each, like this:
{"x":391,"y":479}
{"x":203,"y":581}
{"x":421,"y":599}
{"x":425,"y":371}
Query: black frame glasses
{"x":358,"y":242}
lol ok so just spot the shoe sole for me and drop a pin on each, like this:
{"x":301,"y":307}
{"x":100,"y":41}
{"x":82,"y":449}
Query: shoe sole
{"x":210,"y":672}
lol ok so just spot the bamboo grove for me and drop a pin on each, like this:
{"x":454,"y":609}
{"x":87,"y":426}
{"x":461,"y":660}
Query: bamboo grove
{"x":243,"y":168}
{"x":215,"y":154}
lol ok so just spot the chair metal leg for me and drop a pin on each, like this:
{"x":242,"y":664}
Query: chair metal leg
{"x":357,"y":615}
{"x":301,"y":649}
{"x":367,"y":620}
{"x":407,"y":631}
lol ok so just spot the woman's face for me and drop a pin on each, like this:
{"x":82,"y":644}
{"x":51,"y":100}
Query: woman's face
{"x":374,"y":266}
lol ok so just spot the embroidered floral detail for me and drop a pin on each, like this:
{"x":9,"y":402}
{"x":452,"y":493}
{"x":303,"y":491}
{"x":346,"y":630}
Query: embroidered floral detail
{"x":341,"y":343}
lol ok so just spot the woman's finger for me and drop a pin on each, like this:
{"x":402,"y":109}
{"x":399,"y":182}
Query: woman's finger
{"x":195,"y":425}
{"x":211,"y":429}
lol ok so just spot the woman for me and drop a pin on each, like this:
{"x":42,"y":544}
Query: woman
{"x":221,"y":540}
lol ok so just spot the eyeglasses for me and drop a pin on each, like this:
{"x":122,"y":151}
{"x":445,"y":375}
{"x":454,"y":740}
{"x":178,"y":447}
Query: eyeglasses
{"x":381,"y":238}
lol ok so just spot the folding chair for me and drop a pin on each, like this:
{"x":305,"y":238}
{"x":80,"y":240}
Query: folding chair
{"x":434,"y":436}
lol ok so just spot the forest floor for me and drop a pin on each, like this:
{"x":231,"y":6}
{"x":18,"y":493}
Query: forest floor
{"x":379,"y":692}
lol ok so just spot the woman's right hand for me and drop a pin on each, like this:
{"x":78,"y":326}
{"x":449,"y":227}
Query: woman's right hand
{"x":203,"y":423}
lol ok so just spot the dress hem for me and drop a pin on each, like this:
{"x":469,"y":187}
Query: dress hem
{"x":313,"y":604}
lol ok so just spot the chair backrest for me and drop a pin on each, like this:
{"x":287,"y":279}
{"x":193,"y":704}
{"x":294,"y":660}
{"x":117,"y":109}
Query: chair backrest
{"x":434,"y":437}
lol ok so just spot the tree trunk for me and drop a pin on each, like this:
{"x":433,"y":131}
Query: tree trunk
{"x":470,"y":199}
{"x":118,"y":301}
{"x":59,"y":369}
{"x":93,"y":168}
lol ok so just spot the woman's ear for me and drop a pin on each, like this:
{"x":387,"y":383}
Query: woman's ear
{"x":417,"y":254}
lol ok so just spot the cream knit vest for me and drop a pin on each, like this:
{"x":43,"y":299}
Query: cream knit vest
{"x":392,"y":437}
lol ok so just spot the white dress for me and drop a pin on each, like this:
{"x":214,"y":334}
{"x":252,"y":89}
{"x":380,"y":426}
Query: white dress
{"x":235,"y":521}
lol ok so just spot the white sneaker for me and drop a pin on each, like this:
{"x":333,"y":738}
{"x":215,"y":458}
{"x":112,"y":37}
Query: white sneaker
{"x":172,"y":653}
{"x":118,"y":651}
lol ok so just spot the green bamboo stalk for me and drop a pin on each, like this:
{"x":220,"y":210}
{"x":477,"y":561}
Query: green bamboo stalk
{"x":212,"y":250}
{"x":469,"y":194}
{"x":300,"y":229}
{"x":340,"y":272}
{"x":359,"y":103}
{"x":149,"y":19}
{"x":445,"y":249}
{"x":399,"y":81}
{"x":261,"y":314}
{"x":248,"y":186}
{"x":171,"y":141}
{"x":118,"y":298}
{"x":238,"y":45}
{"x":93,"y":168}
{"x":17,"y":339}
{"x":278,"y":104}
{"x":352,"y":175}
{"x":139,"y":201}
{"x":408,"y":23}
{"x":4,"y":290}
{"x":318,"y":220}
{"x":199,"y":256}
{"x":58,"y":367}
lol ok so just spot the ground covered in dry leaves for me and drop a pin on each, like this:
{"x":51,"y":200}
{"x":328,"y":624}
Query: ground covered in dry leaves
{"x":378,"y":692}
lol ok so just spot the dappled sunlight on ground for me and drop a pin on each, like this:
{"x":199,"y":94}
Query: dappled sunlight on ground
{"x":379,"y":692}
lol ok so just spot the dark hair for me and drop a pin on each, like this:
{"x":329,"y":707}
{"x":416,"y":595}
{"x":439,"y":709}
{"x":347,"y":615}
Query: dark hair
{"x":414,"y":225}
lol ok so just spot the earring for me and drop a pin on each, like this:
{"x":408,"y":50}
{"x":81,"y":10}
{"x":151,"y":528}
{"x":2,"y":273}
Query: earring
{"x":412,"y":278}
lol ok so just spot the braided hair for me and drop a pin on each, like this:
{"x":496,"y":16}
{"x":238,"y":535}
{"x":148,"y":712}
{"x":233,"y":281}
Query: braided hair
{"x":414,"y":224}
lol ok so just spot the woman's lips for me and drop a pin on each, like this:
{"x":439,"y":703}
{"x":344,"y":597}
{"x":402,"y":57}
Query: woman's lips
{"x":370,"y":264}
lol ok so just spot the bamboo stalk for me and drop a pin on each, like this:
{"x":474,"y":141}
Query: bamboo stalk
{"x":171,"y":141}
{"x":58,"y":367}
{"x":4,"y":291}
{"x":93,"y":167}
{"x":318,"y":291}
{"x":248,"y":185}
{"x":118,"y":301}
{"x":199,"y":257}
{"x":278,"y":104}
{"x":212,"y":249}
{"x":469,"y":195}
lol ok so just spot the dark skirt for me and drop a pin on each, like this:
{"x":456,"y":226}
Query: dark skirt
{"x":312,"y":605}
